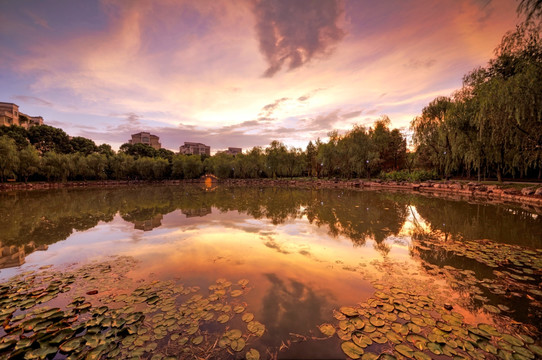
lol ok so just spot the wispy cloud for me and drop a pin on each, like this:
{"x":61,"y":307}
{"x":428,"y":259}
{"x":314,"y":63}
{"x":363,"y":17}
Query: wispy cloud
{"x":32,"y":100}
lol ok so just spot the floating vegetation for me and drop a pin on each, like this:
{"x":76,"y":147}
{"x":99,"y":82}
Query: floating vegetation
{"x":503,"y":272}
{"x":154,"y":320}
{"x":407,"y":318}
{"x":432,"y":311}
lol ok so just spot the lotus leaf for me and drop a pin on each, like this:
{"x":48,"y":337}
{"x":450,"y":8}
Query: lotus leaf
{"x":512,"y":340}
{"x":376,"y":321}
{"x":348,"y":311}
{"x":327,"y":329}
{"x":248,"y":317}
{"x":256,"y":328}
{"x":418,"y":355}
{"x":252,"y":354}
{"x":238,"y":345}
{"x":404,"y":350}
{"x":352,"y":350}
{"x":223,"y":318}
{"x":361,"y":340}
{"x":524,"y":352}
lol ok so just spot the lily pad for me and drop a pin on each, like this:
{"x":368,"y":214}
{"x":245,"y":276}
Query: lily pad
{"x":252,"y":354}
{"x":404,"y":350}
{"x":327,"y":329}
{"x":238,"y":345}
{"x":348,"y":311}
{"x":352,"y":350}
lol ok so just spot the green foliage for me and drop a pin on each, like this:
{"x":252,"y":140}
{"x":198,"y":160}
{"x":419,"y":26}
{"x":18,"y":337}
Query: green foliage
{"x":410,"y":176}
{"x":106,"y":150}
{"x":493,"y":125}
{"x":47,"y":138}
{"x":83,"y":145}
{"x":138,"y":150}
{"x":121,"y":166}
{"x":192,"y":167}
{"x":29,"y":162}
{"x":9,"y":161}
{"x":55,"y":167}
{"x":17,"y":133}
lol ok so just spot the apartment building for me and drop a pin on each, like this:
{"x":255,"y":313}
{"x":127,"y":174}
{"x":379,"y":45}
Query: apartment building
{"x":146,"y":138}
{"x":193,"y":148}
{"x":10,"y":115}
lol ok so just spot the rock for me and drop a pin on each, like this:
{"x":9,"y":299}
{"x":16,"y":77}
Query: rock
{"x":512,"y":191}
{"x":528,"y":191}
{"x":448,"y":306}
{"x":538,"y":191}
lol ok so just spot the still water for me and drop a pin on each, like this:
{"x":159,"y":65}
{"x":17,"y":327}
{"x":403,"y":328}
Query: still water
{"x":320,"y":273}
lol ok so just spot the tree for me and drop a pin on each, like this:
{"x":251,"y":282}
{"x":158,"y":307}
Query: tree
{"x":312,"y":161}
{"x":106,"y":150}
{"x":29,"y":161}
{"x":177,"y":166}
{"x":192,"y":167}
{"x":97,"y":163}
{"x":138,"y":150}
{"x":165,"y":154}
{"x":432,"y":132}
{"x":47,"y":138}
{"x":83,"y":145}
{"x":531,"y":8}
{"x":17,"y":133}
{"x":121,"y":166}
{"x":55,"y":166}
{"x":161,"y":168}
{"x":9,"y":160}
{"x":275,"y":153}
{"x":144,"y":168}
{"x":254,"y":162}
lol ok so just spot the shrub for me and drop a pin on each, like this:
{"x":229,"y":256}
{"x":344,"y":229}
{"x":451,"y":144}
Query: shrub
{"x":411,"y":176}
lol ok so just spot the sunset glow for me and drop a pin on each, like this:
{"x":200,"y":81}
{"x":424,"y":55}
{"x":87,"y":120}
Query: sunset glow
{"x":238,"y":73}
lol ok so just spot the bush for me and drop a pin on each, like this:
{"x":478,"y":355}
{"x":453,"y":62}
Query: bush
{"x":411,"y":176}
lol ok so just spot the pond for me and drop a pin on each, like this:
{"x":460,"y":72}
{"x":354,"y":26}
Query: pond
{"x":168,"y":272}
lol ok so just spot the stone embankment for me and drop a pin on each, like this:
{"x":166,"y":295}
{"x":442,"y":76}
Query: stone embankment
{"x":530,"y":195}
{"x":527,"y":195}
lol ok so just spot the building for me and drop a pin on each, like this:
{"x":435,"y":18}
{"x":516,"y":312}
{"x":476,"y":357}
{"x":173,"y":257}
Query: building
{"x":146,"y":138}
{"x":149,"y":224}
{"x":190,"y":213}
{"x":10,"y":115}
{"x":192,"y":148}
{"x":234,"y":151}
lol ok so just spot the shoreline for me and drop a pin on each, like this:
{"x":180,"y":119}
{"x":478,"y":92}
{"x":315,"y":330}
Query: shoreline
{"x":528,"y":195}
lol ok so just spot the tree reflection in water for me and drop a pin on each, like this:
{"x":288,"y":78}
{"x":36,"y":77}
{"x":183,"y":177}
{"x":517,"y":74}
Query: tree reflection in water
{"x":45,"y":217}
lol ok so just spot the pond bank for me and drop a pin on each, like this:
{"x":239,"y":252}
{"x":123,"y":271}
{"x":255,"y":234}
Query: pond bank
{"x":528,"y":195}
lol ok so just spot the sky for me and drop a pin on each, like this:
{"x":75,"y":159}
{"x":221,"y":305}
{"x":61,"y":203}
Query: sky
{"x":239,"y":73}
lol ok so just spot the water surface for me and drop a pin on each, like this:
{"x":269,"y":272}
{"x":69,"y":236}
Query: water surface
{"x":304,"y":252}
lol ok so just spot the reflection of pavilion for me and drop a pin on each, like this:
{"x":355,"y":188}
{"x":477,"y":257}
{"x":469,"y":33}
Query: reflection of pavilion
{"x":11,"y":256}
{"x":196,"y":212}
{"x":148,"y":225}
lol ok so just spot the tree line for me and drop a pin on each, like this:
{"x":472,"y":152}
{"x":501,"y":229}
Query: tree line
{"x":48,"y":153}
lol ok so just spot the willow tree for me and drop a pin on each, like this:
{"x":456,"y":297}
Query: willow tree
{"x":509,"y":93}
{"x":9,"y":159}
{"x":433,"y":133}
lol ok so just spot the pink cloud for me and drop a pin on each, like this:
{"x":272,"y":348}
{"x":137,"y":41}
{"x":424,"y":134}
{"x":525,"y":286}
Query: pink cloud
{"x":200,"y":64}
